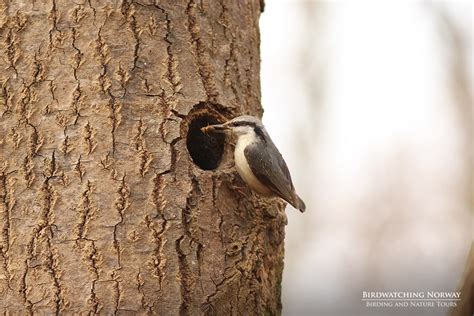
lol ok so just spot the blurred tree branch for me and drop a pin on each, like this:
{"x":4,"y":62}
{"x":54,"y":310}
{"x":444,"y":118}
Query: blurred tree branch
{"x":458,"y":55}
{"x":460,"y":87}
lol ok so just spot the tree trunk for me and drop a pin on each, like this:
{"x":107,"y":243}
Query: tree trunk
{"x":111,"y":199}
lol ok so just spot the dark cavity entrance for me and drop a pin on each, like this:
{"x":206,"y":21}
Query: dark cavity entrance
{"x":205,"y":150}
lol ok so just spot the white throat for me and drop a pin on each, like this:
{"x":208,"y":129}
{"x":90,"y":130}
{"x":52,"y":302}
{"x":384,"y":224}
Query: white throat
{"x":243,"y":167}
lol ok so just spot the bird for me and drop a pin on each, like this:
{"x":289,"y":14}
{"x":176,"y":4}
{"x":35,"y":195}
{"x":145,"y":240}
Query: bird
{"x":257,"y":160}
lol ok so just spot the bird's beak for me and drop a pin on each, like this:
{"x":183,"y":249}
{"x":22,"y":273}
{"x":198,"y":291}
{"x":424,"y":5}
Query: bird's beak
{"x":218,"y":128}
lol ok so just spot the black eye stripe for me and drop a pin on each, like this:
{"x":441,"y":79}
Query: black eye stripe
{"x":241,"y":123}
{"x":258,"y":131}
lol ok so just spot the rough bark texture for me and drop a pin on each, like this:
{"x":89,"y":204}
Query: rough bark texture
{"x":102,"y":209}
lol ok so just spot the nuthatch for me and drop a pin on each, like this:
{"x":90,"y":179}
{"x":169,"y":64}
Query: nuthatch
{"x":257,"y":159}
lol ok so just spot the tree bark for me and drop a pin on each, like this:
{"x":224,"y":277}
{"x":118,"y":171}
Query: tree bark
{"x":110,"y":199}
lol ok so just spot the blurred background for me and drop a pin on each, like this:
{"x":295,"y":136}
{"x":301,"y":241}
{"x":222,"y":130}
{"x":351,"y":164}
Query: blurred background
{"x":371,"y":105}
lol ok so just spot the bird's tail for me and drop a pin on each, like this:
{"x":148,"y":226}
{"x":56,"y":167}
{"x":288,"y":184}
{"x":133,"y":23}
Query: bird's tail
{"x":299,"y":204}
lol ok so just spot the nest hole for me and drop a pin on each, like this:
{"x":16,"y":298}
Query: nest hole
{"x":205,"y":150}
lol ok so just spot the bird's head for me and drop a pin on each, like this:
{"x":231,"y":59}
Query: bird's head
{"x":239,"y":126}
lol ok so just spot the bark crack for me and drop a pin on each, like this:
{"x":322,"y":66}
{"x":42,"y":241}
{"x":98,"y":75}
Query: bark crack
{"x":94,"y":13}
{"x":27,"y":168}
{"x":144,"y":156}
{"x":88,"y":134}
{"x":24,"y":288}
{"x":121,"y":204}
{"x":172,"y":63}
{"x":54,"y":18}
{"x":214,"y":204}
{"x":8,"y":201}
{"x":92,"y":256}
{"x":118,"y":292}
{"x":184,"y":276}
{"x":93,"y":259}
{"x":205,"y":69}
{"x":140,"y":283}
{"x":38,"y":70}
{"x":35,"y":141}
{"x":129,"y":13}
{"x":12,"y":53}
{"x":52,"y":264}
{"x":79,"y":168}
{"x":102,"y":52}
{"x":7,"y":97}
{"x":230,"y":62}
{"x":85,"y":210}
{"x":158,"y":256}
{"x":207,"y":304}
{"x":43,"y":229}
{"x":114,"y":110}
{"x":105,"y":85}
{"x":77,"y":94}
{"x":52,"y":89}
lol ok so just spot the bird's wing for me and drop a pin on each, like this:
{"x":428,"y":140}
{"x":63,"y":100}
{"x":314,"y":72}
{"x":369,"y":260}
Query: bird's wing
{"x":270,"y":169}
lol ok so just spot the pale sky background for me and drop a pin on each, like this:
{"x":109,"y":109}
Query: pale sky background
{"x":357,"y":97}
